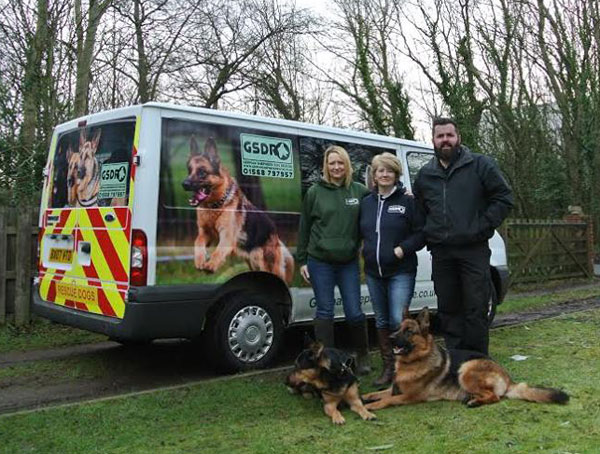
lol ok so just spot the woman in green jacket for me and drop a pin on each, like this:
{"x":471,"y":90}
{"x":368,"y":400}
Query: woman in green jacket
{"x":327,"y":250}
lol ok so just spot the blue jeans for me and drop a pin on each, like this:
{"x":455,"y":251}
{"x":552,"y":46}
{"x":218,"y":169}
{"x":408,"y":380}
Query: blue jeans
{"x":389,"y":296}
{"x":324,"y":277}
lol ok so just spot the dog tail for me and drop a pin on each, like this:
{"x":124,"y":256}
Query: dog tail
{"x":288,"y":263}
{"x":536,"y":394}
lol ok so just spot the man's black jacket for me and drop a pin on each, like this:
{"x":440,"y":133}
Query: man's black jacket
{"x":464,"y":203}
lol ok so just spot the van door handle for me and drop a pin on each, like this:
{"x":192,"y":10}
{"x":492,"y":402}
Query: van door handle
{"x":109,"y":217}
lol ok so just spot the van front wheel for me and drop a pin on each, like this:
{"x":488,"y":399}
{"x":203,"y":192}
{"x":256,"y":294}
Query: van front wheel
{"x":246,"y":333}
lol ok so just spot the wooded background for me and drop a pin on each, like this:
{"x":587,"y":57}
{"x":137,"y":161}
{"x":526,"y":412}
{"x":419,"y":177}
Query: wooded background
{"x":522,"y":78}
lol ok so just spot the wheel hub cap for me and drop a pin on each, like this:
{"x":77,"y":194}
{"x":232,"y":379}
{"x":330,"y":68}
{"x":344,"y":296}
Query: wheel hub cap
{"x":250,"y":334}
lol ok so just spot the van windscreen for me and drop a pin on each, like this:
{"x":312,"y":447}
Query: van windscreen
{"x":91,"y":166}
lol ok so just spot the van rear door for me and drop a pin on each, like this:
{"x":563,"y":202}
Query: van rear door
{"x":85,"y":223}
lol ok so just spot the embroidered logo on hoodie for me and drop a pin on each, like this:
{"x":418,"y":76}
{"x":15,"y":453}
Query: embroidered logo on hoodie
{"x":352,"y":201}
{"x":401,"y":209}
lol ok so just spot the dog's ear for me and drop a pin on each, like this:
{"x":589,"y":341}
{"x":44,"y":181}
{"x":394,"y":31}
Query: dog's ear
{"x":96,"y":140}
{"x":210,"y":150}
{"x":308,"y":340}
{"x":423,"y":320}
{"x":69,"y":153}
{"x":317,"y":348}
{"x":194,"y":151}
{"x":82,"y":138}
{"x":405,"y":313}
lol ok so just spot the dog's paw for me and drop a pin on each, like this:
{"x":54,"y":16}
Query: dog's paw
{"x":473,"y":403}
{"x":368,"y":416}
{"x":212,"y":265}
{"x":338,"y":419}
{"x":209,"y":267}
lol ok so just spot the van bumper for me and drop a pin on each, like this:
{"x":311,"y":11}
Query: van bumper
{"x":155,"y":312}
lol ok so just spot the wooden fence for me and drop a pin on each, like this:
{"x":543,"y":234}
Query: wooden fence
{"x":537,"y":251}
{"x":18,"y":254}
{"x":542,"y":250}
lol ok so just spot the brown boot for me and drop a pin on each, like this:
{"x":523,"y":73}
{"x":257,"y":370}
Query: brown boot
{"x":387,"y":356}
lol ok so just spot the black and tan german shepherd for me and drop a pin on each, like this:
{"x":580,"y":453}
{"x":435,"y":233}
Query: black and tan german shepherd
{"x":426,"y":372}
{"x":328,"y":373}
{"x":83,"y":174}
{"x":228,"y":220}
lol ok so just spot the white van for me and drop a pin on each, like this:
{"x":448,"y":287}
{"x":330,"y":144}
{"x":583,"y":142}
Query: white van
{"x":161,"y":221}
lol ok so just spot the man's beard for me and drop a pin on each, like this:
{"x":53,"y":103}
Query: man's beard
{"x":446,"y":152}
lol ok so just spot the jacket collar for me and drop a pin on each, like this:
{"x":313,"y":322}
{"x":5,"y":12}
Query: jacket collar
{"x":399,"y":189}
{"x":434,"y":166}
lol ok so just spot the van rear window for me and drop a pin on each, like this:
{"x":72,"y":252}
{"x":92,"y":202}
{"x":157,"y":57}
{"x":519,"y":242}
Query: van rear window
{"x":91,"y":166}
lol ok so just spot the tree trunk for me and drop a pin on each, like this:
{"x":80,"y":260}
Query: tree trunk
{"x":32,"y":94}
{"x":86,"y":40}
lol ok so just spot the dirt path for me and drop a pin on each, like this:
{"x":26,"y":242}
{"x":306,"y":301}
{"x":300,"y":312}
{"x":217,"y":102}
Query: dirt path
{"x":550,"y":311}
{"x":45,"y":377}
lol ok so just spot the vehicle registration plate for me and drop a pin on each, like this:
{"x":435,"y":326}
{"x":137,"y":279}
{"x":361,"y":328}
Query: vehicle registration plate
{"x":58,"y":255}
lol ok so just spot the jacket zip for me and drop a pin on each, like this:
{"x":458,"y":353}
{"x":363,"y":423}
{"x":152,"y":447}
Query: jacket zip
{"x":380,"y":202}
{"x":445,"y":213}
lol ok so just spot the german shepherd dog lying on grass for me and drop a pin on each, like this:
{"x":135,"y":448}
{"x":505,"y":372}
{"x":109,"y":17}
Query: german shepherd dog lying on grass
{"x":427,"y":372}
{"x":327,"y":372}
{"x":227,"y":219}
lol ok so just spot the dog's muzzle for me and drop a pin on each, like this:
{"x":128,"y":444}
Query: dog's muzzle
{"x":401,"y":346}
{"x":200,"y":193}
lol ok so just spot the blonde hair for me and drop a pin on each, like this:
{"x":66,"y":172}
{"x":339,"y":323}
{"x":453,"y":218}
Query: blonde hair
{"x":342,"y":153}
{"x":387,"y":160}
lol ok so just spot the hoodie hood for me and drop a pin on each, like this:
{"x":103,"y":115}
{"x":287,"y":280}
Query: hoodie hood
{"x":326,"y":184}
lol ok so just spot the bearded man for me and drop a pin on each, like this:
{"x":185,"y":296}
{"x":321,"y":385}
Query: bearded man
{"x":464,"y":198}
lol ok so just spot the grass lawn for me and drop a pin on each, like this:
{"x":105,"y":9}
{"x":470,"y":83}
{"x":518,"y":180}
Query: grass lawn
{"x":257,"y":415}
{"x":43,"y":334}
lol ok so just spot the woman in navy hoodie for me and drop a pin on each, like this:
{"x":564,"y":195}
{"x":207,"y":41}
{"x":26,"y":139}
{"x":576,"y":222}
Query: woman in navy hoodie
{"x":391,"y":228}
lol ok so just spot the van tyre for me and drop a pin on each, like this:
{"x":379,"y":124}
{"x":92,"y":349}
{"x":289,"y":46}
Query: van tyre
{"x":246,"y":333}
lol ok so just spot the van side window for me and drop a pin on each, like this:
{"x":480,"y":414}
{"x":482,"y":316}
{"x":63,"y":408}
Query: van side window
{"x":311,"y":159}
{"x":416,"y":160}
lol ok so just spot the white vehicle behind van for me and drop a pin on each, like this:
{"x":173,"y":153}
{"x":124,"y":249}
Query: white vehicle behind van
{"x":161,"y":221}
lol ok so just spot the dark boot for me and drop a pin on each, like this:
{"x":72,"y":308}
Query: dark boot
{"x":387,"y":357}
{"x":359,"y":338}
{"x":324,"y":331}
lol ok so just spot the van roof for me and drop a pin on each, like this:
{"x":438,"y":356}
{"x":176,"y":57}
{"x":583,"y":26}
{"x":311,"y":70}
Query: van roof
{"x":135,"y":110}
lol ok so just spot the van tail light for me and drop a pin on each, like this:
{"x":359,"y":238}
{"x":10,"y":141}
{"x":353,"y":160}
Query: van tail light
{"x":139,"y":258}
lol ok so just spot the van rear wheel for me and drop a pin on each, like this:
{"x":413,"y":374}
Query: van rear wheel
{"x":246,"y":333}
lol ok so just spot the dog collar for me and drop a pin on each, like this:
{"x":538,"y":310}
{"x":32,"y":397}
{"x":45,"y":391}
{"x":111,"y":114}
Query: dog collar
{"x":226,"y":197}
{"x":88,"y":202}
{"x":94,"y":200}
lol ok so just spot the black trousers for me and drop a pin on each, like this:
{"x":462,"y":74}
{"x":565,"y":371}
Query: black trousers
{"x":462,"y":283}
